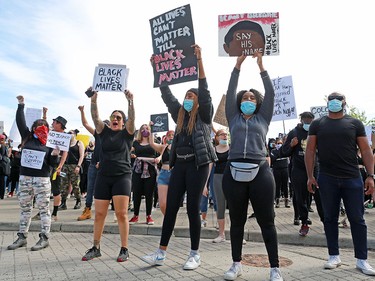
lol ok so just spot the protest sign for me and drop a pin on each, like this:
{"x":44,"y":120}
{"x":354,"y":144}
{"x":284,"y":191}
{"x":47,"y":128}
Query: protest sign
{"x":110,"y":78}
{"x":320,"y":111}
{"x":1,"y":127}
{"x":284,"y":105}
{"x":220,"y":116}
{"x":31,"y":115}
{"x":172,"y":37}
{"x":247,"y":33}
{"x":160,"y":122}
{"x":32,"y":158}
{"x":61,"y":140}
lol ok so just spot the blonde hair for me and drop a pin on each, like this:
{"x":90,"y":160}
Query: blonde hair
{"x":139,"y":133}
{"x":192,"y":118}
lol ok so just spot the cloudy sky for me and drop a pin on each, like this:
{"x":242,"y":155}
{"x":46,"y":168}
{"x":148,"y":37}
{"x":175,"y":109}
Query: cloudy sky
{"x":49,"y":50}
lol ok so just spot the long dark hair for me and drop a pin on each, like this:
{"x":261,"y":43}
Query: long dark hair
{"x":37,"y":123}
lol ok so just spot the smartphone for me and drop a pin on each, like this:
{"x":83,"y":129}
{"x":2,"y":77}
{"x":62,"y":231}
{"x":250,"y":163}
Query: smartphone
{"x":89,"y":93}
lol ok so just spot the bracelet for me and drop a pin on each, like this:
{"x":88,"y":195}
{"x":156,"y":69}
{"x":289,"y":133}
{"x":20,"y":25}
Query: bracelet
{"x":78,"y":166}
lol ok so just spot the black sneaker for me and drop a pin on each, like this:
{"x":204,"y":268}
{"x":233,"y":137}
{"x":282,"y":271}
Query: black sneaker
{"x":124,"y":255}
{"x":41,"y":244}
{"x":91,"y":253}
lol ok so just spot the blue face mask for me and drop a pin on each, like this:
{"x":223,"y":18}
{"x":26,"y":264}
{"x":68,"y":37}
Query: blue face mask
{"x":335,"y":105}
{"x":248,"y":107}
{"x":188,"y":105}
{"x":223,"y":142}
{"x":306,"y":127}
{"x":169,"y":141}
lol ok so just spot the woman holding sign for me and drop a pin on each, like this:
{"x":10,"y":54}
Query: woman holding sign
{"x":191,"y":153}
{"x":36,"y":162}
{"x":114,"y":178}
{"x":247,"y":174}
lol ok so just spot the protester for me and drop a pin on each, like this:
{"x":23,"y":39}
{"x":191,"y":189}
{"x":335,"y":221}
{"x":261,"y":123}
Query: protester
{"x":113,"y":180}
{"x":249,"y":115}
{"x":191,"y":153}
{"x":144,"y":173}
{"x":71,"y":170}
{"x":34,"y":178}
{"x":3,"y":154}
{"x":336,"y":137}
{"x":295,"y":146}
{"x":165,"y":171}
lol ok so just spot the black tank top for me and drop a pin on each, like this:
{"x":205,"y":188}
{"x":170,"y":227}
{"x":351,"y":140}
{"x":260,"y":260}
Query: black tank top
{"x":73,"y":155}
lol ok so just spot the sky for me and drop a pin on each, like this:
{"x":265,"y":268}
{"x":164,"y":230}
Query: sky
{"x":49,"y":50}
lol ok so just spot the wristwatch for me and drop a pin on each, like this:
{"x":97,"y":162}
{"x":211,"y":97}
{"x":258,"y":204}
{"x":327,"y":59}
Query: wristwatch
{"x":371,"y":176}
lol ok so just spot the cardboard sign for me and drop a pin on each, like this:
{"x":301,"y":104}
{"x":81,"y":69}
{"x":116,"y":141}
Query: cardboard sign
{"x":247,"y":33}
{"x":32,"y":158}
{"x":220,"y":117}
{"x":160,"y":123}
{"x":285,"y":105}
{"x":110,"y":78}
{"x":61,"y":140}
{"x":172,"y":37}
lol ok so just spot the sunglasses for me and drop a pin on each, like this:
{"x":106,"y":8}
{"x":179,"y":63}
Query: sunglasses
{"x":117,"y":117}
{"x":340,"y":98}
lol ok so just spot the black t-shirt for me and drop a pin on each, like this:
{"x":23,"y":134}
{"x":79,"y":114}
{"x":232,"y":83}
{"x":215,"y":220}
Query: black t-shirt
{"x":337,"y":145}
{"x":115,"y":156}
{"x":143,"y":150}
{"x":221,"y":162}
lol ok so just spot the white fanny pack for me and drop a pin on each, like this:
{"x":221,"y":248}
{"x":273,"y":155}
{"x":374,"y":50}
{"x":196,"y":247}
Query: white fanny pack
{"x":243,"y":172}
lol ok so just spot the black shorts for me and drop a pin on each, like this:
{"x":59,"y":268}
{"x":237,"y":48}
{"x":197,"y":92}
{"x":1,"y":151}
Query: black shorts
{"x":108,"y":186}
{"x":55,"y":185}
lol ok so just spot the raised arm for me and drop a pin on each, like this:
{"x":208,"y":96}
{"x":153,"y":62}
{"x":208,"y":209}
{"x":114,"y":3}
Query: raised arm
{"x":130,"y":123}
{"x":84,"y":120}
{"x":99,"y":124}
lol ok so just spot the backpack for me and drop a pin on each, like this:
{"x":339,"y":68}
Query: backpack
{"x":4,"y":162}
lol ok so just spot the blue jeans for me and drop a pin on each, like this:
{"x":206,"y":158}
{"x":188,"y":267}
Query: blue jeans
{"x":211,"y":193}
{"x":91,"y":177}
{"x":351,"y":191}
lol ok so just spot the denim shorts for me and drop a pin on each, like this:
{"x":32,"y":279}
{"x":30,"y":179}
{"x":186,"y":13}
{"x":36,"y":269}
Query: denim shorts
{"x":164,"y":176}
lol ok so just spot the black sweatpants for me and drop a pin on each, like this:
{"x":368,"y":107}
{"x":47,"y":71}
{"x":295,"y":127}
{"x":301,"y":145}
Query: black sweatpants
{"x":143,"y":186}
{"x":261,"y":192}
{"x":185,"y":177}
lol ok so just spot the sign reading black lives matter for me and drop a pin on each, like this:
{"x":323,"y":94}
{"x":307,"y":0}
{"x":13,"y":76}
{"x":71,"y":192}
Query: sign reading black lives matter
{"x":160,"y":122}
{"x":172,"y":37}
{"x":110,"y":78}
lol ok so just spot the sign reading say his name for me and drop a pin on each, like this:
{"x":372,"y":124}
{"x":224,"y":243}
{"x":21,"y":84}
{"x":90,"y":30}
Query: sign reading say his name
{"x":249,"y":33}
{"x":160,"y":122}
{"x":110,"y":77}
{"x":172,"y":37}
{"x":285,"y":105}
{"x":32,"y":158}
{"x":61,"y":140}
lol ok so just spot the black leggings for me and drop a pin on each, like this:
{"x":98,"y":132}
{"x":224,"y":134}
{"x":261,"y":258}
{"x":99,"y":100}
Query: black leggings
{"x":281,"y":179}
{"x":143,"y":186}
{"x":261,"y":192}
{"x":185,"y":177}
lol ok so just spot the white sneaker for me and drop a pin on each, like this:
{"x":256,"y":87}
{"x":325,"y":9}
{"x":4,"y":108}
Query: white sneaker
{"x":219,"y":239}
{"x":203,"y":223}
{"x":192,"y":262}
{"x":365,"y":267}
{"x":333,"y":262}
{"x":244,"y":242}
{"x":156,"y":258}
{"x":275,"y":274}
{"x":234,"y":271}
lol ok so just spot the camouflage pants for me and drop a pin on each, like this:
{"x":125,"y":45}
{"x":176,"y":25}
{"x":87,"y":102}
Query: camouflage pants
{"x":40,"y":187}
{"x":70,"y":178}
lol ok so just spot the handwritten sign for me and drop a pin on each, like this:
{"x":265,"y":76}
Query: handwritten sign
{"x":172,"y":37}
{"x":32,"y":158}
{"x":320,"y":111}
{"x":160,"y":122}
{"x":110,"y":77}
{"x":31,"y":115}
{"x":247,"y":33}
{"x":285,"y":105}
{"x":220,"y":117}
{"x":61,"y":140}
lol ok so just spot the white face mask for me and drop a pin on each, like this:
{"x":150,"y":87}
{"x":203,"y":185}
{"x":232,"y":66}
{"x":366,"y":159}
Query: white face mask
{"x":278,"y":146}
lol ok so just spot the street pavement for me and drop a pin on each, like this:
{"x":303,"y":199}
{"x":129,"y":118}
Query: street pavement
{"x":302,"y":258}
